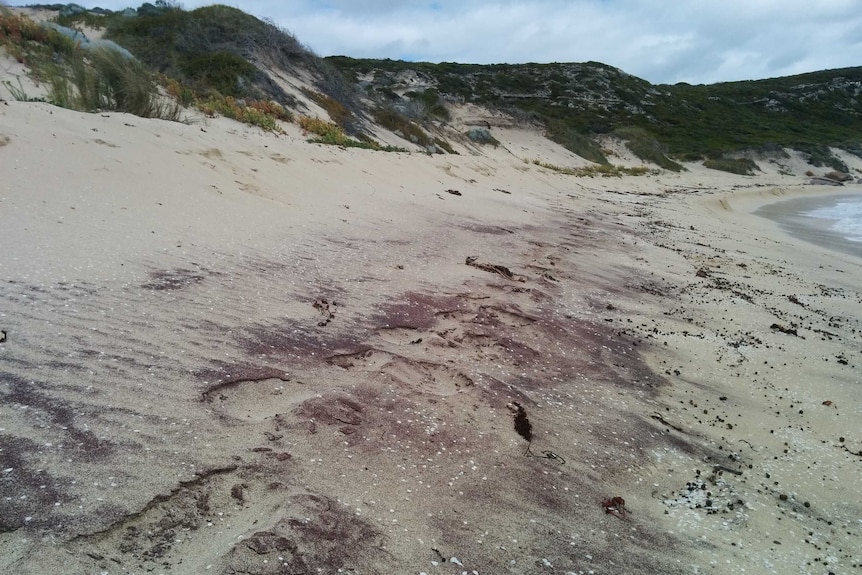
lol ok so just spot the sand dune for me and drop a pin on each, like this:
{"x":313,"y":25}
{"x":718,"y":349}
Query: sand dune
{"x":234,"y":352}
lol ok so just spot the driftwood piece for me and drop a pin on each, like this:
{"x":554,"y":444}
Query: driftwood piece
{"x":658,"y":417}
{"x":496,"y":269}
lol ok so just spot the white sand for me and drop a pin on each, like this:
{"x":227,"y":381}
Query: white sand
{"x":230,"y":351}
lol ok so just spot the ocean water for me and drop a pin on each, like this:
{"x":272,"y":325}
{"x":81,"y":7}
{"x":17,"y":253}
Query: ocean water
{"x":833,"y":222}
{"x":845,"y":217}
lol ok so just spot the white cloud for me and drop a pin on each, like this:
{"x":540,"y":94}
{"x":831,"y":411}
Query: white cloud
{"x":697,"y":41}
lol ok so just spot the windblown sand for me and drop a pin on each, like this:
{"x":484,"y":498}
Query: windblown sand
{"x":234,"y":352}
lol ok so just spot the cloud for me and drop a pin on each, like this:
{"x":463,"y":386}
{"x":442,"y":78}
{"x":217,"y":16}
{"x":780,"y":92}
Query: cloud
{"x":696,"y":41}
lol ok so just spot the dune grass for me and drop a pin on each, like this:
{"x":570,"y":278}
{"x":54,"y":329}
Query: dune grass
{"x":331,"y":134}
{"x":28,"y":41}
{"x":647,"y":148}
{"x":739,"y":166}
{"x":398,"y":123}
{"x":574,"y":141}
{"x":593,"y":170}
{"x":261,"y":113}
{"x":98,"y":78}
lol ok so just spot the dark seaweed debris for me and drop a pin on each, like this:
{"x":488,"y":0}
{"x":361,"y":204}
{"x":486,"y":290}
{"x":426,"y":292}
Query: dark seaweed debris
{"x":522,"y":425}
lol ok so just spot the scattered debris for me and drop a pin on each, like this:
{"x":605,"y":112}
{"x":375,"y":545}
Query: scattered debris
{"x":784,"y":329}
{"x":522,"y":425}
{"x":551,"y":455}
{"x":495,"y":268}
{"x":713,"y":494}
{"x":851,"y":452}
{"x":237,"y":492}
{"x":327,"y":309}
{"x":658,"y":417}
{"x":793,"y":299}
{"x":702,"y":273}
{"x":728,"y":469}
{"x":615,"y":506}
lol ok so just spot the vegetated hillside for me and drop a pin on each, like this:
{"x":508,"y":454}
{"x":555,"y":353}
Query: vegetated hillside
{"x":216,"y":48}
{"x":808,"y":112}
{"x":217,"y":52}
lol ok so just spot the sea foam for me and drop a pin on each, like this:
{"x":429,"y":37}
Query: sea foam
{"x":846,"y":217}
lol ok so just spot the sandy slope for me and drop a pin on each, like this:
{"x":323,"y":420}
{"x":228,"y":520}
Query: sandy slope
{"x":235,"y":352}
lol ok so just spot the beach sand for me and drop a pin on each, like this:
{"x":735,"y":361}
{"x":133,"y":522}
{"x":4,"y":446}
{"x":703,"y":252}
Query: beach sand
{"x":234,"y":352}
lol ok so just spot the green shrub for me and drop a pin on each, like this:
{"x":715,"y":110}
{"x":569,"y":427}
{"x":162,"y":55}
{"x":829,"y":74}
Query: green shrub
{"x":75,"y":20}
{"x":98,"y":78}
{"x":211,"y":49}
{"x":30,"y":42}
{"x":445,"y":146}
{"x":482,"y":136}
{"x":396,"y":122}
{"x":328,"y":132}
{"x":332,"y":134}
{"x":855,"y":149}
{"x":820,"y":155}
{"x":263,"y":114}
{"x":604,"y":170}
{"x":222,"y":72}
{"x":337,"y":112}
{"x":647,"y":148}
{"x":770,"y":150}
{"x":691,"y":157}
{"x":18,"y":93}
{"x":575,"y":142}
{"x":183,"y":94}
{"x":431,"y":103}
{"x":741,"y":166}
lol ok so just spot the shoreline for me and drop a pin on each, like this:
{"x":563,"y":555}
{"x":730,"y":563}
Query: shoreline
{"x":763,"y":338}
{"x":775,"y":206}
{"x":789,"y":215}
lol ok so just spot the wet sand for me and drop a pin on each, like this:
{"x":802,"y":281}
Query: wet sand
{"x":790,"y":215}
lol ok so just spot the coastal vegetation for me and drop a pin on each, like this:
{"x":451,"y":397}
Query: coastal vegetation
{"x":740,"y":166}
{"x":663,"y":124}
{"x":99,"y":76}
{"x":159,"y":57}
{"x":590,"y":171}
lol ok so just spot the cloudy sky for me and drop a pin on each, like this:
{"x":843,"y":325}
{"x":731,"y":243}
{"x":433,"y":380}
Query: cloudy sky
{"x":663,"y":41}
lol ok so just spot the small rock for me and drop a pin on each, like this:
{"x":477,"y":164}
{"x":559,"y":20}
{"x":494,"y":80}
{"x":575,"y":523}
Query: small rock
{"x":838,"y":176}
{"x":818,"y":181}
